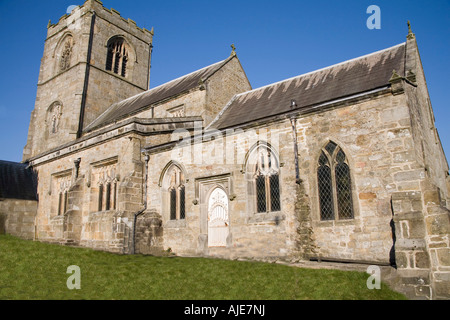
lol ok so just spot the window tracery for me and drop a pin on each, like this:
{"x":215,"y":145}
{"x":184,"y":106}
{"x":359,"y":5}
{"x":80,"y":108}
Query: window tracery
{"x":117,"y":56}
{"x":66,"y":54}
{"x":175,"y":186}
{"x":266,"y":181}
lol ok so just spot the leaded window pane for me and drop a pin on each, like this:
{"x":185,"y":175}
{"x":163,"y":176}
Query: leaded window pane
{"x":261,"y":193}
{"x":173,"y":204}
{"x":331,"y":146}
{"x":340,"y":157}
{"x":59,"y":203}
{"x":100,"y":197}
{"x":66,"y":200}
{"x":344,"y":191}
{"x":325,"y":193}
{"x":274,"y":192}
{"x":182,"y":203}
{"x":115,"y":196}
{"x":108,"y":196}
{"x":323,"y":160}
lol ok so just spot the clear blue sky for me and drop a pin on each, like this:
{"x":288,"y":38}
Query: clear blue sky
{"x":274,"y":40}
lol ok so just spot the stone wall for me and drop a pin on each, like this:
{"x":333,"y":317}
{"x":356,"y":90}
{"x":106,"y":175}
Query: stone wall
{"x":250,"y":235}
{"x":422,"y":244}
{"x":65,"y":86}
{"x":421,"y":214}
{"x":148,"y":233}
{"x":17,"y":217}
{"x":112,"y":155}
{"x":375,"y":137}
{"x":117,"y":161}
{"x":427,"y":147}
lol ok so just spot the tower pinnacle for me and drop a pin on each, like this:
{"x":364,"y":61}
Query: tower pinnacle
{"x":410,"y":35}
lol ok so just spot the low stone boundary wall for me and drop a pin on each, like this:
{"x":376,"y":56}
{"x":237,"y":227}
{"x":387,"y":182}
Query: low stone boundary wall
{"x":17,"y":217}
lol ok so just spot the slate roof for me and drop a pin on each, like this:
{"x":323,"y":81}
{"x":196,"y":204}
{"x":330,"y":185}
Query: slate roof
{"x":140,"y":102}
{"x":17,"y":181}
{"x":315,"y":88}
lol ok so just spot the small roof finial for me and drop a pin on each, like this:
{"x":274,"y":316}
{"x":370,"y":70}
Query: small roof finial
{"x":233,"y":50}
{"x":410,"y":33}
{"x":395,"y":76}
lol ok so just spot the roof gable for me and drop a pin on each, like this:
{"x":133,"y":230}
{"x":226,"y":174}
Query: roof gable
{"x":140,"y":102}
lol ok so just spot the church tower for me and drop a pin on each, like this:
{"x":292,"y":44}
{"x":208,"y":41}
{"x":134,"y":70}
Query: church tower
{"x":92,"y":58}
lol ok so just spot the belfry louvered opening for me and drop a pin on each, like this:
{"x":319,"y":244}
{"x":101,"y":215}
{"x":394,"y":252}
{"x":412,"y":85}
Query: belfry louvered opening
{"x":117,"y":58}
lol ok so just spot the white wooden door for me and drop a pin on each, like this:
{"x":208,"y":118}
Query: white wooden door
{"x":218,"y":218}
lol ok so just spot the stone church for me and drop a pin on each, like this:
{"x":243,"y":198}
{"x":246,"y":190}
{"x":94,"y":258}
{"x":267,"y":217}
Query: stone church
{"x":341,"y":164}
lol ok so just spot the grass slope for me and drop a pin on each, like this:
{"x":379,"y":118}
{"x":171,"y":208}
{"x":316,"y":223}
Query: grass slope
{"x":34,"y":270}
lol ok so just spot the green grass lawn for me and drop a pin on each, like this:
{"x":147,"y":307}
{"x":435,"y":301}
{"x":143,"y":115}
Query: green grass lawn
{"x":34,"y":270}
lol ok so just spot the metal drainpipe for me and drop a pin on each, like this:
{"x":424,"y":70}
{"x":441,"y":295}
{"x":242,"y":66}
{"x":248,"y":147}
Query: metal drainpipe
{"x":149,"y":65}
{"x":86,"y":77}
{"x":294,"y":133}
{"x":133,"y":248}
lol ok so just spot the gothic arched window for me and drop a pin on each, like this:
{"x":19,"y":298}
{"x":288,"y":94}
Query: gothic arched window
{"x":174,"y":185}
{"x":263,"y":166}
{"x":106,"y":179}
{"x":117,"y":57}
{"x":107,"y":195}
{"x":63,"y":184}
{"x":334,"y":184}
{"x":66,"y":54}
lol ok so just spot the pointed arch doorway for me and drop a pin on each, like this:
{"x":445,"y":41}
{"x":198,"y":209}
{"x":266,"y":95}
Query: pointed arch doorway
{"x":218,"y":218}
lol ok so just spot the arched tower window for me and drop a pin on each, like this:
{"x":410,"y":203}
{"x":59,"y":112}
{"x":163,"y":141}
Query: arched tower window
{"x":66,"y":54}
{"x":334,"y":184}
{"x":263,"y":170}
{"x":117,"y":57}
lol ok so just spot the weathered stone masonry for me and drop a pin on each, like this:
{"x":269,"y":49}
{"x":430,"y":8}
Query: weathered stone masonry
{"x":205,"y":166}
